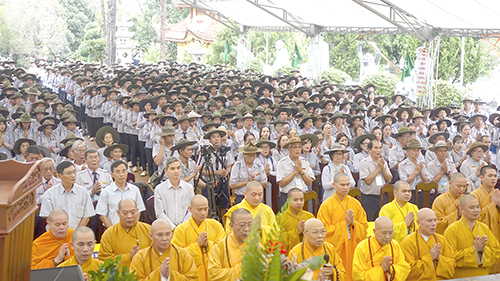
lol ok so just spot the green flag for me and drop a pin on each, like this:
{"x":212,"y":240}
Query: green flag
{"x":297,"y":57}
{"x":227,"y":50}
{"x":408,"y":67}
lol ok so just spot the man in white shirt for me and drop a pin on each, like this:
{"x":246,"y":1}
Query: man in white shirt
{"x":173,"y":196}
{"x":48,"y":178}
{"x":94,"y":179}
{"x":107,"y":207}
{"x":67,"y":195}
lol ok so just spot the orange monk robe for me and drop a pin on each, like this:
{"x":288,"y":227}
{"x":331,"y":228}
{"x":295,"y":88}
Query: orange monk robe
{"x":368,"y":257}
{"x":489,"y":215}
{"x":291,"y":236}
{"x":332,"y":213}
{"x":417,"y":255}
{"x":397,"y":214}
{"x":117,"y":241}
{"x":90,"y":265}
{"x":303,"y":251}
{"x":146,"y":264}
{"x":468,"y":262}
{"x":222,"y":267}
{"x":46,"y":248}
{"x":266,"y":214}
{"x":186,"y":236}
{"x":446,"y":209}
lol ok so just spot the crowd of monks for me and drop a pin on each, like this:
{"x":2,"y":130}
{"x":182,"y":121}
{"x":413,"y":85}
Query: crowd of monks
{"x":285,"y":137}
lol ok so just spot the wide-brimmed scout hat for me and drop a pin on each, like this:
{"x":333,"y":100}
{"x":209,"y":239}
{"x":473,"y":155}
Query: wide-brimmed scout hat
{"x":167,"y":130}
{"x":440,"y":144}
{"x":476,"y":145}
{"x":214,"y":131}
{"x":17,"y":144}
{"x":401,"y":131}
{"x":265,"y":141}
{"x":293,"y":140}
{"x":249,"y":147}
{"x":360,"y":139}
{"x":71,"y":119}
{"x":314,"y":139}
{"x":109,"y":149}
{"x":103,"y":131}
{"x":437,"y":134}
{"x":25,"y":117}
{"x":335,"y":147}
{"x":413,"y":143}
{"x":70,"y":137}
{"x":46,"y":124}
{"x":182,"y":143}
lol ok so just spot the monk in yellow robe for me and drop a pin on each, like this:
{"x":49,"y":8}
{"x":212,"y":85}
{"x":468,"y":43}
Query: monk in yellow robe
{"x":224,"y":259}
{"x":126,"y":237}
{"x":428,"y":253}
{"x":253,"y":203}
{"x":446,"y":205}
{"x":345,"y":221}
{"x":379,"y":257}
{"x":295,"y":219}
{"x":314,"y":244}
{"x":163,"y":261}
{"x":401,"y":211}
{"x":198,"y":234}
{"x":489,"y":199}
{"x":83,"y":243}
{"x":476,"y":248}
{"x":52,"y":248}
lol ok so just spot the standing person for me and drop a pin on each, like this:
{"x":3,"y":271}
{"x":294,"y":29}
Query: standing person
{"x":188,"y":166}
{"x":94,"y":179}
{"x":413,"y":170}
{"x":293,"y":170}
{"x":441,"y":168}
{"x":67,"y":195}
{"x":336,"y":154}
{"x":173,"y":196}
{"x":374,"y":173}
{"x":136,"y":56}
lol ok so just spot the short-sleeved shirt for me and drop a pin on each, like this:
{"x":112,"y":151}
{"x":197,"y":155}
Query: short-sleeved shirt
{"x":286,"y":166}
{"x":398,"y":154}
{"x":434,"y":168}
{"x":241,"y":172}
{"x":112,"y":195}
{"x":85,"y":179}
{"x":166,"y":153}
{"x":366,"y":168}
{"x":406,"y":168}
{"x":76,"y":203}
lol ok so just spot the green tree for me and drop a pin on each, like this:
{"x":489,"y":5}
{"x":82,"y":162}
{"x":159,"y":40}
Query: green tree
{"x":93,"y":47}
{"x":77,"y":14}
{"x":385,"y":82}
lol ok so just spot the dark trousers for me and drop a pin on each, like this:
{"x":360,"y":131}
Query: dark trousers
{"x":371,"y":204}
{"x":134,"y":148}
{"x":142,"y":155}
{"x":149,"y":160}
{"x":238,"y":199}
{"x":98,"y":123}
{"x":282,"y":199}
{"x":126,"y":140}
{"x":91,"y":126}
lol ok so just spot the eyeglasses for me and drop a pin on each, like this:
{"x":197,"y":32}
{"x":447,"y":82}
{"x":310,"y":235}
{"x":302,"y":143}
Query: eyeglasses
{"x":48,"y":169}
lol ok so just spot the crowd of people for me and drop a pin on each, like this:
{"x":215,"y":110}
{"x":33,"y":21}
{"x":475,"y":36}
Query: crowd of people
{"x":191,"y":129}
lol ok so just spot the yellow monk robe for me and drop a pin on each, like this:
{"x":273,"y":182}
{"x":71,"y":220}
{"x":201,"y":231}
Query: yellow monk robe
{"x":146,"y":264}
{"x":446,"y":209}
{"x":186,"y":236}
{"x":303,"y":251}
{"x":397,"y":214}
{"x":116,"y":241}
{"x":461,"y":238}
{"x":90,"y":265}
{"x":417,"y":254}
{"x":220,"y":266}
{"x":332,"y":213}
{"x":368,"y":258}
{"x":489,"y":215}
{"x":265,"y":212}
{"x":291,"y":235}
{"x":47,"y":247}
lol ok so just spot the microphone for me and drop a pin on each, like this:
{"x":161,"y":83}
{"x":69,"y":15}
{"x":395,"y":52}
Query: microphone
{"x":327,"y":258}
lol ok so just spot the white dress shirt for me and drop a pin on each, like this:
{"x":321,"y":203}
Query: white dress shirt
{"x":85,"y":179}
{"x":112,"y":195}
{"x":171,"y":203}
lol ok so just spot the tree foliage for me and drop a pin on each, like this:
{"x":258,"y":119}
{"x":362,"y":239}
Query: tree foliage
{"x":385,"y":82}
{"x":93,"y":47}
{"x":336,"y":76}
{"x":447,"y":93}
{"x":77,"y":14}
{"x":145,"y":23}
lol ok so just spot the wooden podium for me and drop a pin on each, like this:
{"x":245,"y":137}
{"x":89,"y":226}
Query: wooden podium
{"x":18,"y":182}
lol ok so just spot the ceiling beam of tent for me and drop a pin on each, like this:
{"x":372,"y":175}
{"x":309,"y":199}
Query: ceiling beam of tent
{"x":210,"y":13}
{"x":397,"y":16}
{"x":361,"y":30}
{"x":285,"y":17}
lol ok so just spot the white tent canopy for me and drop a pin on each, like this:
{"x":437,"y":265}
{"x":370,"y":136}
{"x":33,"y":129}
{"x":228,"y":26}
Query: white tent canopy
{"x":439,"y":17}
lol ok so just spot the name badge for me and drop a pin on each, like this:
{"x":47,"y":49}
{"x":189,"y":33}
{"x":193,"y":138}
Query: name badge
{"x":379,"y":181}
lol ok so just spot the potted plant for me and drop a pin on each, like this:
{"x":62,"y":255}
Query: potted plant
{"x":109,"y":271}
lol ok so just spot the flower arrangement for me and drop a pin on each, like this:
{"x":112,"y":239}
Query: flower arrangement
{"x":269,"y":262}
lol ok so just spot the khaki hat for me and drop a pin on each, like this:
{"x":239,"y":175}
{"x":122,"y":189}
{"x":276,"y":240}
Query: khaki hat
{"x":108,"y":150}
{"x":335,"y":147}
{"x":46,"y":124}
{"x":314,"y":139}
{"x":476,"y":145}
{"x":401,"y":131}
{"x":182,"y":143}
{"x":167,"y":130}
{"x":103,"y":131}
{"x":440,"y":144}
{"x":360,"y":139}
{"x":293,"y":140}
{"x":249,"y":147}
{"x":265,"y":141}
{"x":413,"y":143}
{"x":214,"y":131}
{"x":25,"y":117}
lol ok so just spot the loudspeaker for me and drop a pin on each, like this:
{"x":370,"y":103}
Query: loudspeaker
{"x":73,"y":273}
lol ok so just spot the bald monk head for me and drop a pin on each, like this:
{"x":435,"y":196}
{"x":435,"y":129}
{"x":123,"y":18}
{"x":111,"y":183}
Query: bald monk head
{"x":427,"y":221}
{"x":161,"y":235}
{"x":296,"y":197}
{"x":83,"y":243}
{"x":199,"y":208}
{"x":384,"y":230}
{"x":470,"y":208}
{"x":254,"y":193}
{"x":342,"y":184}
{"x":458,"y":184}
{"x":128,"y":213}
{"x":314,"y":233}
{"x":402,"y":192}
{"x":241,"y":224}
{"x":58,"y":223}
